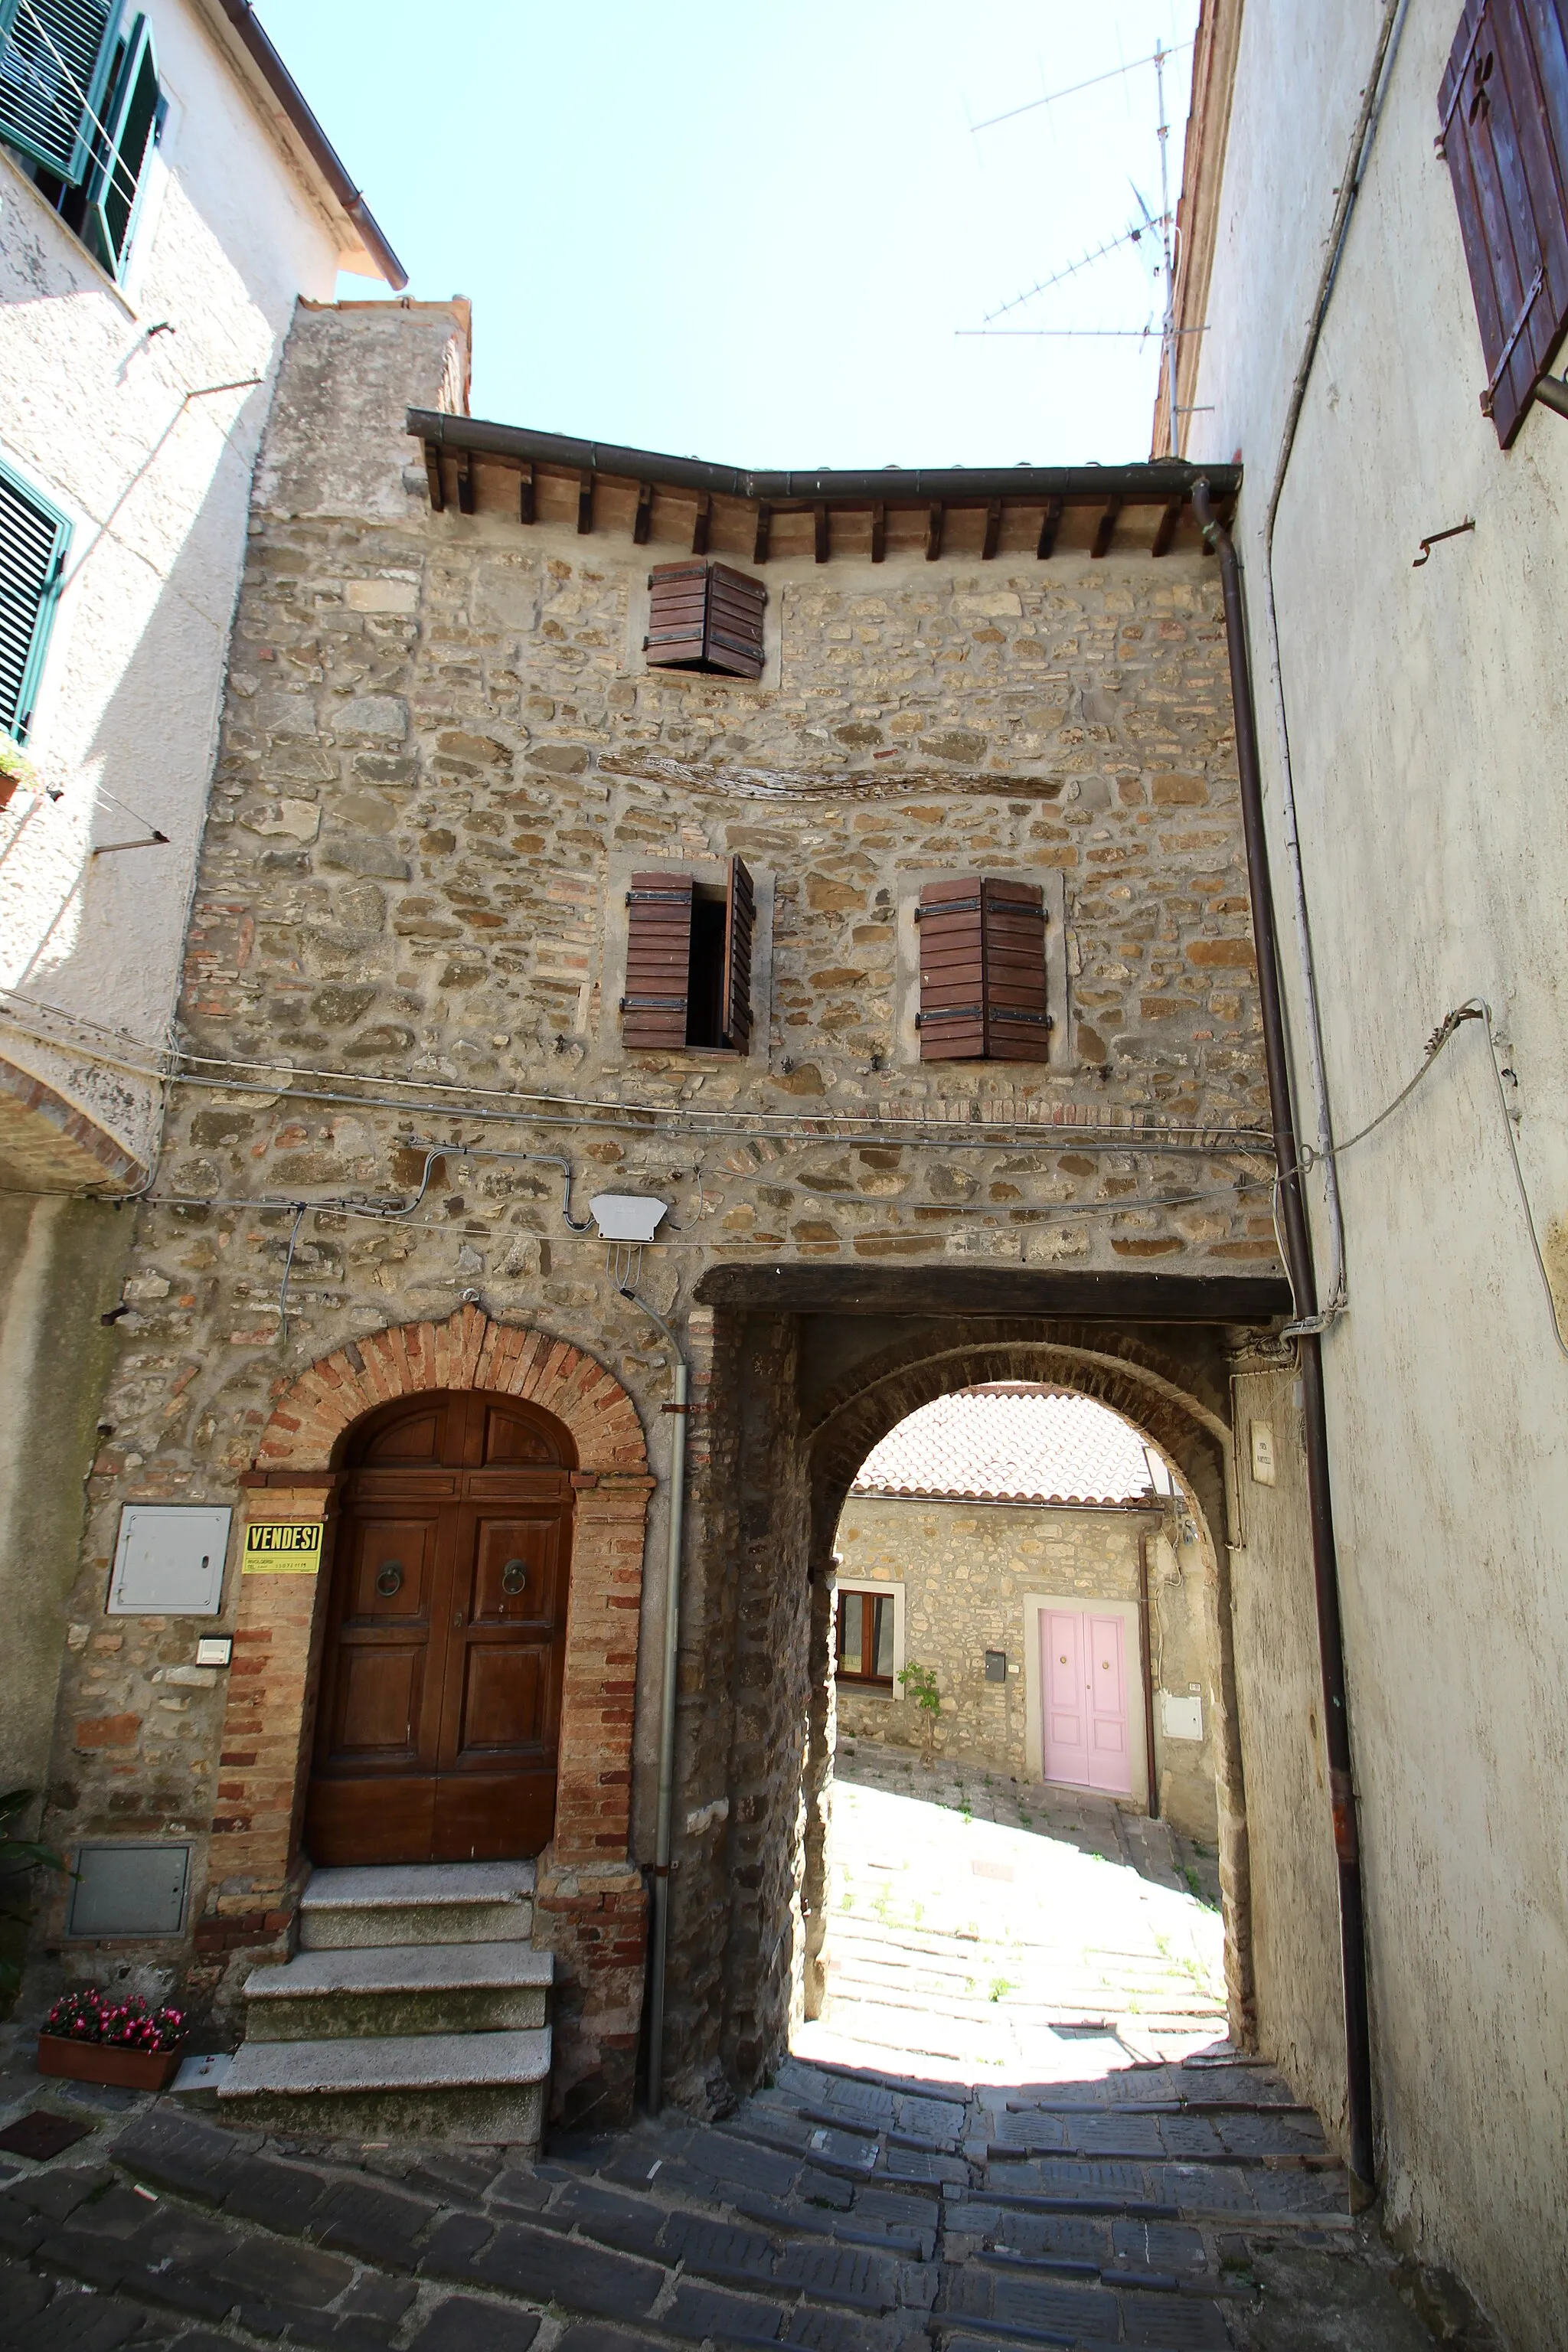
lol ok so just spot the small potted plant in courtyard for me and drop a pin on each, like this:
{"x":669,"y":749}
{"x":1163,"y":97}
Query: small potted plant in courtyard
{"x":16,"y":771}
{"x":94,"y":2039}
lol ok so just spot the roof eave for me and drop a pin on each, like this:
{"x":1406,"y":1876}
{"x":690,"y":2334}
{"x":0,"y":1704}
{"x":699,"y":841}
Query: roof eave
{"x":363,"y":251}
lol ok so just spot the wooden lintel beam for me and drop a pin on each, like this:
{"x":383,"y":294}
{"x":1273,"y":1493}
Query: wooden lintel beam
{"x":993,"y":539}
{"x":1050,"y":523}
{"x":764,"y":528}
{"x":466,"y":481}
{"x":878,"y":533}
{"x":1167,"y":527}
{"x":642,"y":521}
{"x":700,"y":522}
{"x":584,"y":504}
{"x":433,"y":476}
{"x":935,"y":516}
{"x":1106,"y":529}
{"x":822,"y":534}
{"x":526,"y":508}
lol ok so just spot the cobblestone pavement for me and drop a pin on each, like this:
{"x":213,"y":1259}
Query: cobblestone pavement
{"x":989,"y":1929}
{"x":1163,"y":2207}
{"x":1173,"y":2205}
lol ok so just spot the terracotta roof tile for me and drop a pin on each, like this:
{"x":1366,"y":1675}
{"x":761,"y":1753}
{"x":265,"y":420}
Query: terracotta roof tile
{"x":1011,"y":1443}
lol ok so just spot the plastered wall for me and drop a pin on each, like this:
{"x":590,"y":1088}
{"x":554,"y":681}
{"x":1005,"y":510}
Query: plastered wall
{"x":1426,"y":728}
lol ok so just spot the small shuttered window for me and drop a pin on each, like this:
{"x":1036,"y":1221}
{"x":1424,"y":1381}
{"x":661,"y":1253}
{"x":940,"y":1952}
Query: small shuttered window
{"x":689,"y":962}
{"x":33,"y":541}
{"x":1503,"y":130}
{"x":983,"y":971}
{"x":704,"y":616}
{"x":55,"y":61}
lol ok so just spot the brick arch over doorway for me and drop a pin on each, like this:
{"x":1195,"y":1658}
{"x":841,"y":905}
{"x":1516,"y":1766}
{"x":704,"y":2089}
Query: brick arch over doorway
{"x":1178,"y":1407}
{"x":590,"y":1907}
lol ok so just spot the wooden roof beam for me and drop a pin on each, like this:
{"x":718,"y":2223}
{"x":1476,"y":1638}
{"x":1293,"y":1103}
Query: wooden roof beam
{"x":764,"y":530}
{"x":936,"y":515}
{"x":584,"y":504}
{"x":1167,"y":529}
{"x":1106,"y":530}
{"x":700,"y":522}
{"x":642,"y":521}
{"x":466,"y":482}
{"x":878,"y":533}
{"x":433,"y":476}
{"x":822,"y":531}
{"x":1050,"y":523}
{"x":527,"y":507}
{"x":993,"y":539}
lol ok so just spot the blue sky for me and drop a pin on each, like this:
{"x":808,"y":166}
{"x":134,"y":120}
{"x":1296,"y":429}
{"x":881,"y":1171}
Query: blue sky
{"x":750,"y":234}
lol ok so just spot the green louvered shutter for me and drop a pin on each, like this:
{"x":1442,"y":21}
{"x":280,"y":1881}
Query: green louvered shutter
{"x":54,"y":56}
{"x":131,"y":126}
{"x":33,"y":541}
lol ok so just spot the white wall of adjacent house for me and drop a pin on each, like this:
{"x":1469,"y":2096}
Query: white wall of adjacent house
{"x":105,"y":411}
{"x":1429,"y":728}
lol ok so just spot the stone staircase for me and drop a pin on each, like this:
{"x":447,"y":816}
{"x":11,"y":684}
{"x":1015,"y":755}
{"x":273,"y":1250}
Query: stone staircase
{"x":417,"y":2008}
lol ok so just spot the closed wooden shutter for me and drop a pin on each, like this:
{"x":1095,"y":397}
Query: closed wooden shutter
{"x":740,"y":928}
{"x":55,"y":58}
{"x":705,"y":616}
{"x":983,"y":971}
{"x":115,"y":188}
{"x":1503,"y":116}
{"x":658,"y":961}
{"x":33,"y":542}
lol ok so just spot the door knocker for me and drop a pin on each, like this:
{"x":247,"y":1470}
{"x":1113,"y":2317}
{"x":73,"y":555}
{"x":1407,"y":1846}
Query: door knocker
{"x":514,"y":1576}
{"x":389,"y":1580}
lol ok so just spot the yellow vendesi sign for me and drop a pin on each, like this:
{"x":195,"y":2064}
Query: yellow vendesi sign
{"x":283,"y":1548}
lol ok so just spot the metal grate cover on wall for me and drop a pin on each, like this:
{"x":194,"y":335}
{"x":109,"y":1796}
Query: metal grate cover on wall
{"x":129,"y":1890}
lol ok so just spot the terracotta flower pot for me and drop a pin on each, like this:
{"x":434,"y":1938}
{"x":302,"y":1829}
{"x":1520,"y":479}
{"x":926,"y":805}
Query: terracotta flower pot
{"x":101,"y":2062}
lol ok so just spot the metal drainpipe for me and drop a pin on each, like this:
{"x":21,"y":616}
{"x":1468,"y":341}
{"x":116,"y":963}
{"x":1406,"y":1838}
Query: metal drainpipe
{"x":1304,"y":1282}
{"x":665,"y":1713}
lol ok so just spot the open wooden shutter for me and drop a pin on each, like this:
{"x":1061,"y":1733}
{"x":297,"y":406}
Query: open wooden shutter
{"x":658,"y":961}
{"x":704,"y":616}
{"x":740,"y":928}
{"x":33,"y":542}
{"x":1503,"y":115}
{"x":115,"y":188}
{"x":55,"y":58}
{"x":1017,"y":1027}
{"x":983,"y":971}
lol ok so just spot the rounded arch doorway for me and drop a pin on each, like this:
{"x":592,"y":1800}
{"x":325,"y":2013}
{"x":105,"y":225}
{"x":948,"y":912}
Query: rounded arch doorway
{"x":438,"y":1715}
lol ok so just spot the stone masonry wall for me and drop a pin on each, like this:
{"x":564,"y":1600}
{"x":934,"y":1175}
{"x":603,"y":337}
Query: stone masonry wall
{"x":441,"y":758}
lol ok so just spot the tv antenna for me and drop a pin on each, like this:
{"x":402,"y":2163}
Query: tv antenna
{"x":1161,"y":226}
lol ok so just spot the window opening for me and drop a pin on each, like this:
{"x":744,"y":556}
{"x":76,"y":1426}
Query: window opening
{"x":82,"y":111}
{"x":866,"y":1638}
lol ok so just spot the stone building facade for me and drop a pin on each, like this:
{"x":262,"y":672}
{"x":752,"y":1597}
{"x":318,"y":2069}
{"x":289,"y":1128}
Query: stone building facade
{"x":402,"y":1075}
{"x":970,"y":1578}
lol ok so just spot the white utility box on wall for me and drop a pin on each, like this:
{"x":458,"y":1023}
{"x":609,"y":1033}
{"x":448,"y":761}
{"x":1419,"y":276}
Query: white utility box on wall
{"x":169,"y":1560}
{"x":1181,"y":1719}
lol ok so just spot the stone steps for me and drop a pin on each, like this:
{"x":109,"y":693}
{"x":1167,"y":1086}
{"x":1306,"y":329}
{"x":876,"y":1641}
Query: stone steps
{"x":428,"y":1903}
{"x":415,"y":2009}
{"x":400,"y":1989}
{"x":488,"y":2088}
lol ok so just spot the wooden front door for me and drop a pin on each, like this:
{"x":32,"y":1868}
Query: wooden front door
{"x":439,"y":1702}
{"x":1083,"y":1685}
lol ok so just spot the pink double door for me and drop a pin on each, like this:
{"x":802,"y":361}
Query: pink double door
{"x":1083,"y":1678}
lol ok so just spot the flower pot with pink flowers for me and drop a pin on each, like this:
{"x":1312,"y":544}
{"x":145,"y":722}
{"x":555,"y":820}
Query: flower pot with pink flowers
{"x":124,"y":2044}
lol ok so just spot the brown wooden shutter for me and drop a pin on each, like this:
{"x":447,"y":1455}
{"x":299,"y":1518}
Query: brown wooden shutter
{"x":705,"y":616}
{"x":1017,"y":1028}
{"x":983,"y":971}
{"x":740,"y":928}
{"x":658,"y":961}
{"x":952,"y":940}
{"x":1503,"y":116}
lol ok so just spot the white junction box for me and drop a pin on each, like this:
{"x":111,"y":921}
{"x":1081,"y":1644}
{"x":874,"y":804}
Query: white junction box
{"x":169,"y":1560}
{"x":1181,"y":1719}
